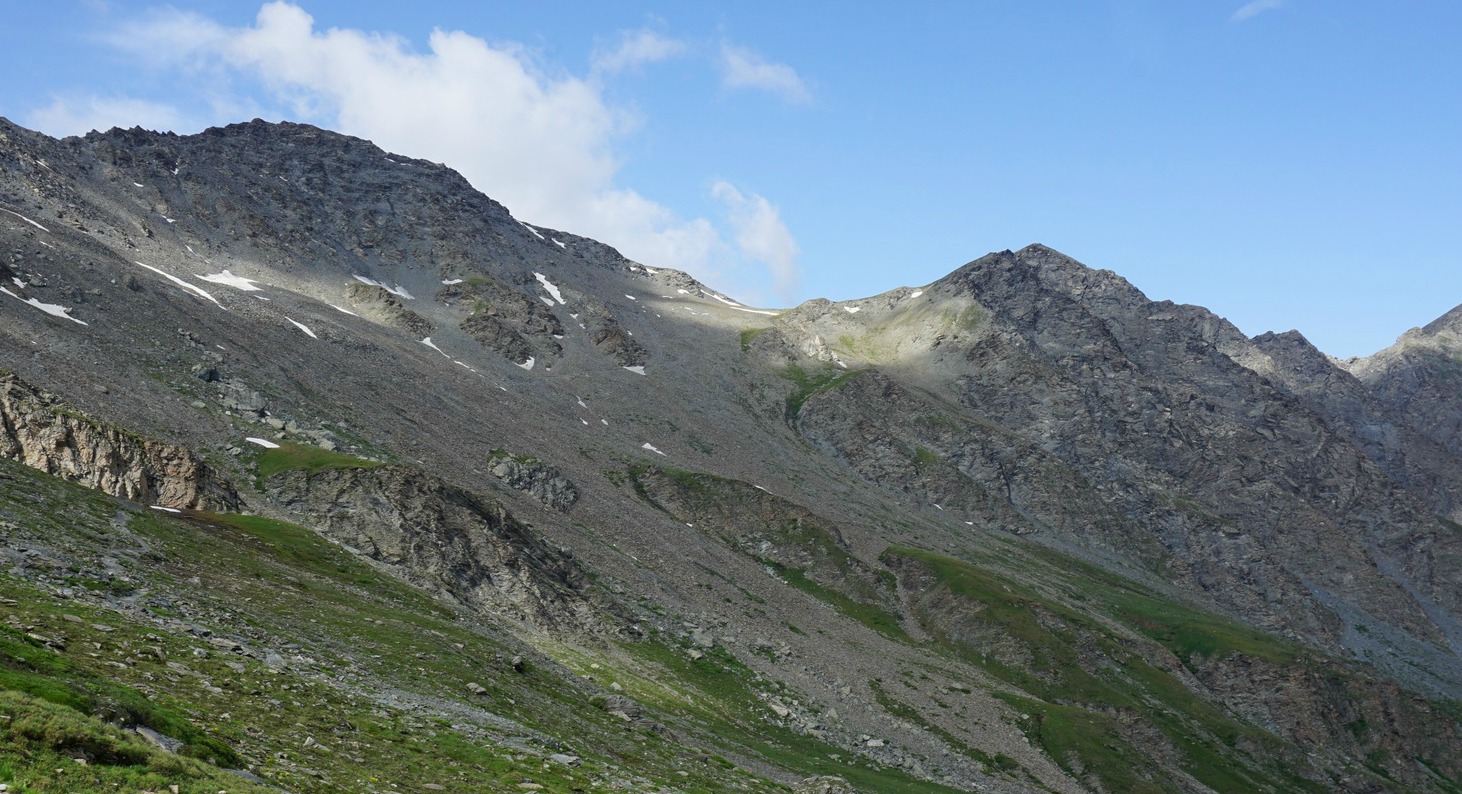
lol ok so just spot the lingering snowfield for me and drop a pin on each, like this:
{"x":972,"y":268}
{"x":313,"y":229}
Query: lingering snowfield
{"x":343,"y":311}
{"x":852,"y":309}
{"x":229,"y":280}
{"x":304,"y":328}
{"x":651,"y":447}
{"x":53,"y":309}
{"x":527,"y":364}
{"x":450,"y":281}
{"x":166,"y":509}
{"x":550,"y":287}
{"x":185,"y":285}
{"x":27,"y":220}
{"x":531,"y":229}
{"x":433,"y":345}
{"x":916,"y":293}
{"x":638,"y":369}
{"x":724,"y":300}
{"x":582,"y":404}
{"x":547,"y":301}
{"x":397,"y":290}
{"x":263,"y":442}
{"x":559,"y":243}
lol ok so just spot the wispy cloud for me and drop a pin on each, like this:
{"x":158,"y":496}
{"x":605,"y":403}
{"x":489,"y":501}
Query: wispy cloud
{"x":542,"y":142}
{"x":1254,"y":8}
{"x":743,"y":68}
{"x":761,"y":234}
{"x":637,"y":48}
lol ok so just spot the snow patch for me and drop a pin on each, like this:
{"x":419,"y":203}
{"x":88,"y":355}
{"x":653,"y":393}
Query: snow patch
{"x":531,"y":229}
{"x":185,"y":285}
{"x":549,"y":285}
{"x":631,"y":297}
{"x":726,"y":301}
{"x":916,"y":293}
{"x":581,"y":402}
{"x":27,"y":220}
{"x":166,"y":509}
{"x":429,"y":343}
{"x":136,"y":184}
{"x":638,"y":369}
{"x":304,"y":328}
{"x":527,"y":364}
{"x":604,"y":422}
{"x":396,"y":290}
{"x":18,"y":281}
{"x":852,"y":309}
{"x":228,"y":279}
{"x":559,"y":243}
{"x":263,"y":442}
{"x":651,"y":447}
{"x":53,"y":309}
{"x":547,"y":301}
{"x":343,"y":311}
{"x":450,"y":281}
{"x":683,"y":291}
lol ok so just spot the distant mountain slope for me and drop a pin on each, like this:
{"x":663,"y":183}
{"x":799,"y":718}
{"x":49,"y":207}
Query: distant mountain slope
{"x":1021,"y":529}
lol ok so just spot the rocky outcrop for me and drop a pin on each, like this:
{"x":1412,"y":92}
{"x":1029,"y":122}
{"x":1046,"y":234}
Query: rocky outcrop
{"x":452,"y":540}
{"x":41,"y":433}
{"x":506,"y":321}
{"x":535,"y":478}
{"x":381,"y":305}
{"x":611,"y":339}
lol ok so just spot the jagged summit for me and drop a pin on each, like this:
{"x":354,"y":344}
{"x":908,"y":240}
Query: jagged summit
{"x":571,"y":520}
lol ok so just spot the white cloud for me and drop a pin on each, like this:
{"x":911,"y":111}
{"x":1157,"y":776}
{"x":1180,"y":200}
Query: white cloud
{"x":78,"y":116}
{"x":635,"y":49}
{"x":1255,"y":8}
{"x":742,"y":68}
{"x":761,"y":234}
{"x":542,"y":144}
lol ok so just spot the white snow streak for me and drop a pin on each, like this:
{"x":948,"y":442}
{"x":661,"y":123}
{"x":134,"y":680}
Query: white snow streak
{"x":429,"y":343}
{"x":916,"y":293}
{"x":559,"y":243}
{"x":228,"y":279}
{"x":726,"y":301}
{"x":166,"y":509}
{"x":185,"y":285}
{"x":852,"y":309}
{"x":581,"y":402}
{"x":547,"y":301}
{"x":631,"y":297}
{"x":651,"y":447}
{"x":396,"y":290}
{"x":450,"y":281}
{"x":551,"y":287}
{"x":343,"y":311}
{"x":527,"y":364}
{"x":304,"y":328}
{"x":531,"y":229}
{"x":27,"y":220}
{"x":638,"y":369}
{"x":263,"y":442}
{"x":53,"y":309}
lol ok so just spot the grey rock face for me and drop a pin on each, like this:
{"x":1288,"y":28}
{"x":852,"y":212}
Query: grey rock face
{"x":543,"y":482}
{"x":41,"y":433}
{"x":455,"y":541}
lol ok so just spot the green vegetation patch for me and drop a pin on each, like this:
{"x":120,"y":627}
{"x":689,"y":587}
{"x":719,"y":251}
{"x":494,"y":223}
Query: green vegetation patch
{"x":289,"y":456}
{"x":1089,"y":689}
{"x":808,"y":384}
{"x":749,"y":335}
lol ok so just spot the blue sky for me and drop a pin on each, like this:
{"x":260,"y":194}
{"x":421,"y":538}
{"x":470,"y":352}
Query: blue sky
{"x":1286,"y":163}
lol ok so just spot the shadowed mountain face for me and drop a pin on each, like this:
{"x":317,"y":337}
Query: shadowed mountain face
{"x":1020,"y":529}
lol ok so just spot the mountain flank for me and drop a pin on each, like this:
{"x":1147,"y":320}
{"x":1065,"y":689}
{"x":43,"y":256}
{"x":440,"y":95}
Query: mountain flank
{"x":320,"y":471}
